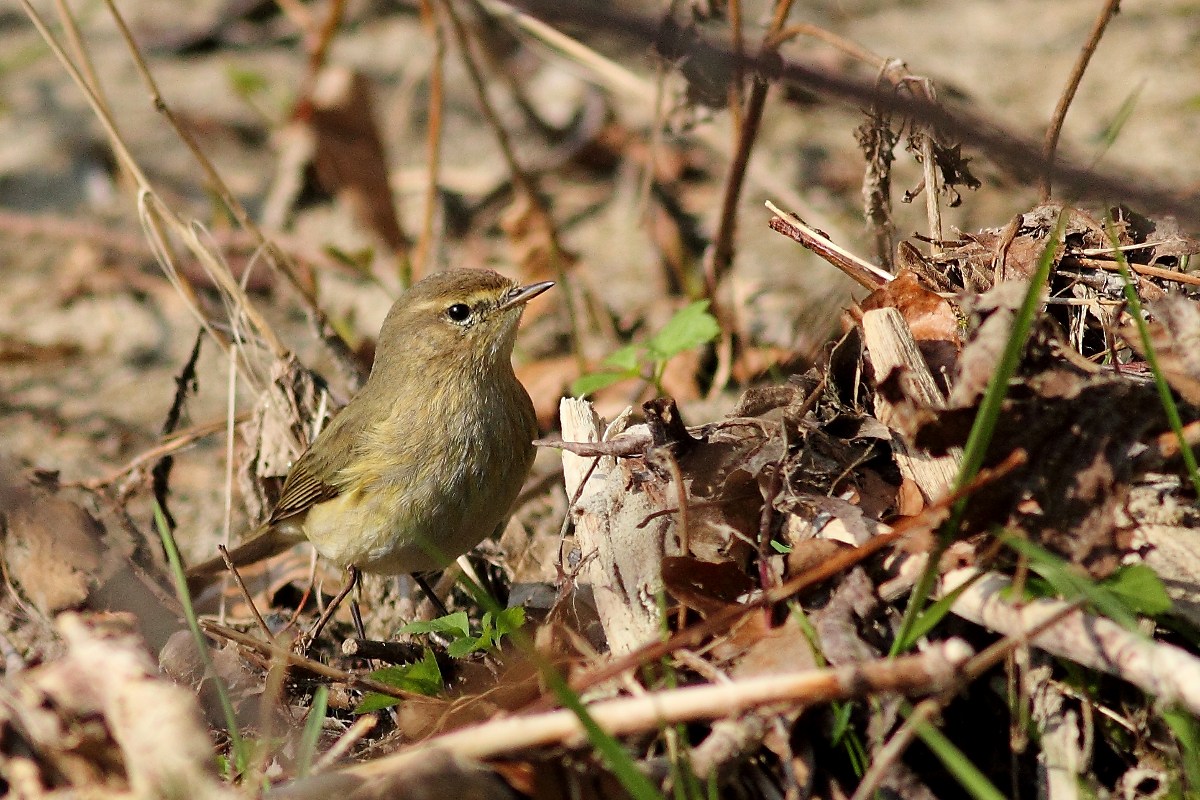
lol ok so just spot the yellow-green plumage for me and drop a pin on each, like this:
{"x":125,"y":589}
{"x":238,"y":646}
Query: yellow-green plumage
{"x":426,"y":460}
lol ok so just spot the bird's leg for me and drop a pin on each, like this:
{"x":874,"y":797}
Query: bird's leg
{"x":431,"y":595}
{"x":351,"y":582}
{"x":356,"y":615}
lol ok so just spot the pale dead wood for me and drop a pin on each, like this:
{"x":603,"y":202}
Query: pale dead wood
{"x":624,"y":559}
{"x":1161,"y":669}
{"x":1173,"y":552}
{"x":1061,"y":756}
{"x":891,"y":346}
{"x":107,"y":673}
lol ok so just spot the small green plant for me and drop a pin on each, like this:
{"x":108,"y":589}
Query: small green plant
{"x":691,"y":327}
{"x":493,"y":627}
{"x":423,"y":677}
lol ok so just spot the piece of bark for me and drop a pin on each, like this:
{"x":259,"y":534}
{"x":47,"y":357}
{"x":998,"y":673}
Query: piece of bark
{"x":1169,"y":673}
{"x":622,"y":534}
{"x":891,"y":346}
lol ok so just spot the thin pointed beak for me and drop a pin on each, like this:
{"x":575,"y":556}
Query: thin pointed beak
{"x":521,"y":295}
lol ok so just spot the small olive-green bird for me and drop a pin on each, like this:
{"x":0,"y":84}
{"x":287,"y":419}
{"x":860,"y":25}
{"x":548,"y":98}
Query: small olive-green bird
{"x":427,"y":459}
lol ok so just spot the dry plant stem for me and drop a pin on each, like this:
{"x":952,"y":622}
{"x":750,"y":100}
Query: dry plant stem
{"x":83,"y":59}
{"x":1160,"y":669}
{"x":685,"y":545}
{"x":1050,"y":146}
{"x":296,"y":12}
{"x":847,"y":46}
{"x":862,"y":272}
{"x":237,"y":578}
{"x":322,"y":38}
{"x":274,"y":256}
{"x":126,"y":159}
{"x":620,"y":81}
{"x":286,"y":656}
{"x":361,"y":727}
{"x":61,"y":228}
{"x":766,"y":518}
{"x":612,"y":75}
{"x":933,"y":209}
{"x":521,"y":180}
{"x":916,"y":674}
{"x":1140,"y":269}
{"x":720,"y":258}
{"x":19,"y":224}
{"x":170,"y":445}
{"x":422,"y":258}
{"x":269,"y":701}
{"x":1000,"y":259}
{"x":739,"y":51}
{"x":626,"y":445}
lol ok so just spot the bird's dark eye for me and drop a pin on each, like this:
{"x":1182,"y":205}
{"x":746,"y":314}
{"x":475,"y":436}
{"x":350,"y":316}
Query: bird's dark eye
{"x":459,"y":312}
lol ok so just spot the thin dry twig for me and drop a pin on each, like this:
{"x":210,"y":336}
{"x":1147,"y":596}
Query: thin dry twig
{"x":283,"y":654}
{"x":276,"y":258}
{"x":1140,"y":269}
{"x":720,"y":256}
{"x":927,"y":710}
{"x":928,"y":671}
{"x":241,"y":584}
{"x":847,"y":46}
{"x":361,"y":727}
{"x":521,"y":179}
{"x":172,"y":444}
{"x":862,"y":272}
{"x":1054,"y":130}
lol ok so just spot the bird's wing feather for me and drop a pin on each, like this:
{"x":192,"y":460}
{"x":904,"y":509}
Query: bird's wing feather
{"x":319,"y":474}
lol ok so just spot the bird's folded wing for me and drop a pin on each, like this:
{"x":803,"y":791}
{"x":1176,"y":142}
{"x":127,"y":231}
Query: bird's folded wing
{"x":301,"y":491}
{"x":320,"y":474}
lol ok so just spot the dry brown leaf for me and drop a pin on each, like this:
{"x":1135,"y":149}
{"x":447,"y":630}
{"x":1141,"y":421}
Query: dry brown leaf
{"x":349,"y":155}
{"x":781,"y":649}
{"x":51,"y":548}
{"x":1175,"y":337}
{"x":930,"y":318}
{"x":702,"y":585}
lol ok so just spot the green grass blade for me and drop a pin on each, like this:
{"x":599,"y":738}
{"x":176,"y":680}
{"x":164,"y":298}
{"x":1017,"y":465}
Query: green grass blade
{"x":984,"y":427}
{"x":240,"y":750}
{"x":307,"y":748}
{"x":967,"y":774}
{"x":1187,"y":733}
{"x":623,"y":766}
{"x":1160,"y":381}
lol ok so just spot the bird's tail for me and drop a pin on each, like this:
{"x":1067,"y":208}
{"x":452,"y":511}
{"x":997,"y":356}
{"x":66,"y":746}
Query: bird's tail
{"x":263,"y":544}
